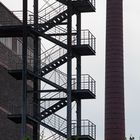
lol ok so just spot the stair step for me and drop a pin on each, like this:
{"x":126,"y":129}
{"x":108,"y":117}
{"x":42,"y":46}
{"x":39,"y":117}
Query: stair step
{"x":55,"y":64}
{"x":81,"y":94}
{"x":53,"y":109}
{"x":53,"y":22}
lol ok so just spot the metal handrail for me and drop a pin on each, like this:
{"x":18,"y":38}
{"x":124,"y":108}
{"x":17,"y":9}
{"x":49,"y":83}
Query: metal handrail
{"x":52,"y":55}
{"x":87,"y":82}
{"x":87,"y":38}
{"x":87,"y":128}
{"x":52,"y":13}
{"x":57,"y":122}
{"x":50,"y":5}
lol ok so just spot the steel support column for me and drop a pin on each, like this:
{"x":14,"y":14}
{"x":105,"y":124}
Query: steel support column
{"x":24,"y":72}
{"x":36,"y":68}
{"x":69,"y":70}
{"x":78,"y":74}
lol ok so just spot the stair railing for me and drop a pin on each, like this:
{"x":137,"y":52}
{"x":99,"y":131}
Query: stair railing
{"x":87,"y":83}
{"x":52,"y":54}
{"x":48,"y":13}
{"x":55,"y":121}
{"x":87,"y":38}
{"x":55,"y":137}
{"x":87,"y":128}
{"x":56,"y":51}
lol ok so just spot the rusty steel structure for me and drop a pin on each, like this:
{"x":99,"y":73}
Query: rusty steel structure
{"x":55,"y":25}
{"x":114,"y":79}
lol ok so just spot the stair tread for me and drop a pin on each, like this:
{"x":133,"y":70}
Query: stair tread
{"x":47,"y":68}
{"x":49,"y":24}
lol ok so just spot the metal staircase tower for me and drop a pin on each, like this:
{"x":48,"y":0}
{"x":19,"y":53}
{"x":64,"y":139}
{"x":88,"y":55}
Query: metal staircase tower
{"x":67,"y":88}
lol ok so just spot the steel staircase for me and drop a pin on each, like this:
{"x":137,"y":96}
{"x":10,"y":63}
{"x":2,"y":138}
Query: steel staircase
{"x":58,"y":100}
{"x":50,"y":18}
{"x":51,"y":110}
{"x":55,"y":64}
{"x":50,"y":26}
{"x":53,"y":22}
{"x":52,"y":59}
{"x":57,"y":56}
{"x":54,"y":101}
{"x":59,"y":125}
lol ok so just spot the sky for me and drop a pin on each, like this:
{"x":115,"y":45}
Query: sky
{"x":95,"y":65}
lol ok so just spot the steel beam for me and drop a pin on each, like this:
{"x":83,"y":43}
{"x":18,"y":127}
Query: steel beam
{"x":24,"y":72}
{"x":36,"y":96}
{"x":78,"y":101}
{"x":69,"y":70}
{"x":43,"y":91}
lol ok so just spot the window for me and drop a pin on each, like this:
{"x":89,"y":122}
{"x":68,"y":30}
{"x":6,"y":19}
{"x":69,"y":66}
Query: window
{"x":7,"y":42}
{"x":19,"y":47}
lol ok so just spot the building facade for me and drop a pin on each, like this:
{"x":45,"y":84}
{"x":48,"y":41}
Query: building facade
{"x":10,"y":88}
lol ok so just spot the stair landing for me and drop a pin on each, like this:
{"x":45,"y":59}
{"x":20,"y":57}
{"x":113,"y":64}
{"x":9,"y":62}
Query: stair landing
{"x":83,"y":94}
{"x":82,"y":5}
{"x":17,"y":118}
{"x":83,"y":50}
{"x":83,"y":137}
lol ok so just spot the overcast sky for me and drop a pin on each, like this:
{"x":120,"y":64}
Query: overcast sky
{"x":94,"y":110}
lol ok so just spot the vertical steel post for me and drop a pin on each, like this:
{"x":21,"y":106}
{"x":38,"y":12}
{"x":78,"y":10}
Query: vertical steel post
{"x":78,"y":74}
{"x":114,"y":89}
{"x":36,"y":82}
{"x":24,"y":73}
{"x":69,"y":69}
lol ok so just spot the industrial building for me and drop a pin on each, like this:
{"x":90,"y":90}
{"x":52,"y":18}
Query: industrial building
{"x":25,"y":67}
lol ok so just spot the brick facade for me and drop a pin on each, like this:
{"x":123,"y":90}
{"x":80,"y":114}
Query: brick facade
{"x":10,"y":88}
